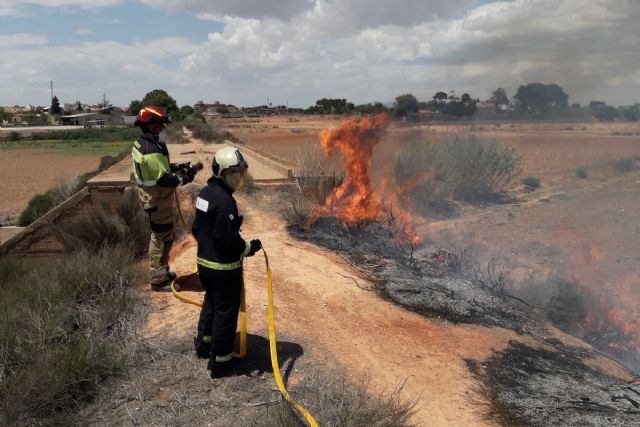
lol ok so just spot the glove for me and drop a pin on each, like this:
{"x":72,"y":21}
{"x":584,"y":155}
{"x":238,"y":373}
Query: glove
{"x":256,"y":245}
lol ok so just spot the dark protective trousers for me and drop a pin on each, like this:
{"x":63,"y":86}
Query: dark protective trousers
{"x":219,"y":313}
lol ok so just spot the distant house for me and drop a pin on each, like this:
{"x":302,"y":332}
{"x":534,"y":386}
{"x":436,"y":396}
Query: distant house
{"x":106,"y":117}
{"x":18,"y":109}
{"x":215,"y":109}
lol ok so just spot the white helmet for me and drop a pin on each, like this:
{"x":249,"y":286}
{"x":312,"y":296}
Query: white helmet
{"x":227,"y":157}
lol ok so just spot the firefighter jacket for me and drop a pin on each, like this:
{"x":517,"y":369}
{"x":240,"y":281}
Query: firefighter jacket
{"x":216,"y":227}
{"x":153,"y":171}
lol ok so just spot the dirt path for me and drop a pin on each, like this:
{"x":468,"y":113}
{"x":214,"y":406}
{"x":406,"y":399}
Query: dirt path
{"x":344,"y":324}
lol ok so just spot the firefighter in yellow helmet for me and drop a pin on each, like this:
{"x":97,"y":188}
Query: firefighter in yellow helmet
{"x":216,"y":227}
{"x":157,"y":179}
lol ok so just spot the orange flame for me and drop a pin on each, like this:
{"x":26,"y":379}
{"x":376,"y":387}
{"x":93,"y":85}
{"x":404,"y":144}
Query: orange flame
{"x":355,"y":203}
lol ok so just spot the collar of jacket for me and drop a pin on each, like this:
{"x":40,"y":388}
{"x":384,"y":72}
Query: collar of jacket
{"x":151,"y":138}
{"x":221,"y":183}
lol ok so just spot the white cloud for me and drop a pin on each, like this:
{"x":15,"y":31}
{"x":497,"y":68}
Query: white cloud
{"x":21,"y":39}
{"x":86,"y":70}
{"x":83,"y":31}
{"x":369,"y":50}
{"x":362,"y":50}
{"x":22,"y":7}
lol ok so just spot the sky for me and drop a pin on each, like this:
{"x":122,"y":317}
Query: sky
{"x":297,"y":51}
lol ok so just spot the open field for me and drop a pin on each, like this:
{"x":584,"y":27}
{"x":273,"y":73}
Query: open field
{"x":32,"y":167}
{"x":553,"y":152}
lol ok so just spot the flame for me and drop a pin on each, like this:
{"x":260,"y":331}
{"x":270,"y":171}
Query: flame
{"x":613,"y":318}
{"x":355,"y":202}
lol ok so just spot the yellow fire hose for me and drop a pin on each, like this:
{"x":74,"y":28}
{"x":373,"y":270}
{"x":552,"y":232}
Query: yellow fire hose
{"x":272,"y":338}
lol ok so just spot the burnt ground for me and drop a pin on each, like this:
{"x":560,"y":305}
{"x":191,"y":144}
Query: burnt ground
{"x":427,"y":279}
{"x":528,"y":386}
{"x":553,"y":387}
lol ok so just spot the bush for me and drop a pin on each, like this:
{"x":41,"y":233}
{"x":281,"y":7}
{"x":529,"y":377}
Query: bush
{"x":175,"y":135}
{"x":128,"y":228}
{"x":339,"y":403}
{"x":14,"y":136}
{"x":531,"y":182}
{"x":39,"y":205}
{"x":310,"y":175}
{"x":582,"y":173}
{"x":106,"y":134}
{"x":462,"y":169}
{"x":63,"y":332}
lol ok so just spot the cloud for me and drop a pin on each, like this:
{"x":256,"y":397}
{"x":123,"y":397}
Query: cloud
{"x":21,"y":39}
{"x":24,"y":7}
{"x":220,"y":9}
{"x":368,"y":50}
{"x":83,"y":31}
{"x":363,"y":51}
{"x":86,"y":70}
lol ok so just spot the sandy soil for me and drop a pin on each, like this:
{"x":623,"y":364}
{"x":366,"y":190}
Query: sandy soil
{"x":25,"y":173}
{"x":348,"y":326}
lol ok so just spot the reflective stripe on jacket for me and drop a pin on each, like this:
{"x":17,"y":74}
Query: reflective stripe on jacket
{"x":150,"y":161}
{"x":216,"y":227}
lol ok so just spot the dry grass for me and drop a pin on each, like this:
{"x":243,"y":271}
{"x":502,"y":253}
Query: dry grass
{"x":63,"y":332}
{"x":337,"y":402}
{"x":129,"y":228}
{"x":462,"y":169}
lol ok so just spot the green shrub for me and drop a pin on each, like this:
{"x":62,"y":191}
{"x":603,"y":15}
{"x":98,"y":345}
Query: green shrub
{"x":531,"y":182}
{"x":63,"y":331}
{"x":39,"y":205}
{"x":582,"y":173}
{"x":14,"y":136}
{"x":106,"y":134}
{"x":463,"y":169}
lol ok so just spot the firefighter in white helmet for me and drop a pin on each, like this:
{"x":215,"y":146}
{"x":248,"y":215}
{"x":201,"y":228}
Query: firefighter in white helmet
{"x":216,"y":228}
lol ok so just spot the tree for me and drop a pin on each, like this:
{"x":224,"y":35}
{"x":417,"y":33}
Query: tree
{"x":499,"y":97}
{"x":161,"y":98}
{"x":333,"y":106}
{"x":459,"y":108}
{"x":79,"y":106}
{"x":466,"y":98}
{"x":134,"y":107}
{"x":407,"y":103}
{"x":603,"y":112}
{"x":375,"y":108}
{"x":55,"y":106}
{"x":187,"y":110}
{"x":5,"y":115}
{"x":440,"y":97}
{"x":538,"y":98}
